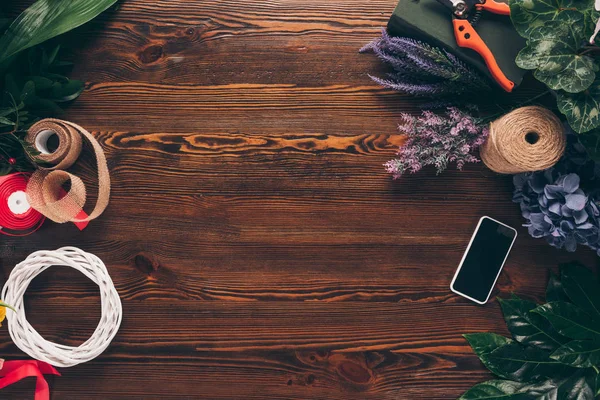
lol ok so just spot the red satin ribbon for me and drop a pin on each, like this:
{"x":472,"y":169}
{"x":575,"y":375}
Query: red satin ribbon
{"x":31,"y":220}
{"x":14,"y":371}
{"x":13,"y":224}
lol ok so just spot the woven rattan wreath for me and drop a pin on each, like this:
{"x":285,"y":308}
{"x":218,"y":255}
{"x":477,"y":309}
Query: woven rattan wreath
{"x":29,"y":340}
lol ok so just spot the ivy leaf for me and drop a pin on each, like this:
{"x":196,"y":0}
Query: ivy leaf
{"x":570,"y":320}
{"x":497,"y":390}
{"x":552,"y":50}
{"x":526,"y":15}
{"x":529,"y":328}
{"x":579,"y":353}
{"x":514,"y":362}
{"x":581,"y":109}
{"x":582,"y":287}
{"x":591,"y":142}
{"x":554,"y":290}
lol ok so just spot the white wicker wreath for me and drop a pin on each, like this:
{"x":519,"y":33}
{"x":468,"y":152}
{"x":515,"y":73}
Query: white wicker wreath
{"x":29,"y":340}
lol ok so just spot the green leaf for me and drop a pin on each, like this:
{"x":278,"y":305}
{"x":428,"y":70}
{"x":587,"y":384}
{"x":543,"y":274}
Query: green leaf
{"x":514,"y":362}
{"x":570,"y":320}
{"x":554,"y":290}
{"x":574,"y":387}
{"x":581,"y":109}
{"x":553,"y":51}
{"x":582,"y":287}
{"x":497,"y":390}
{"x":28,"y":91}
{"x":41,"y":83}
{"x":43,"y":107}
{"x":591,"y":142}
{"x":526,"y":15}
{"x":6,"y":121}
{"x":67,"y":91}
{"x":46,"y":19}
{"x":529,"y":328}
{"x":485,"y":342}
{"x":579,"y":353}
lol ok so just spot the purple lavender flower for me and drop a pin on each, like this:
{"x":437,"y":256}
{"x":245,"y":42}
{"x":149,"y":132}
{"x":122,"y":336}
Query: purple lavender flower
{"x":560,"y":203}
{"x":438,"y":140}
{"x":424,"y":70}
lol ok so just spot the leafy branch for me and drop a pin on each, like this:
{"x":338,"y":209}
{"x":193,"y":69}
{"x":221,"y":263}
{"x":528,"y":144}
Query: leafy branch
{"x":554,"y":352}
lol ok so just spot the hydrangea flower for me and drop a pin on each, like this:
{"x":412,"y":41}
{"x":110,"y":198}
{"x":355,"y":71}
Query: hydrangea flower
{"x":560,"y":203}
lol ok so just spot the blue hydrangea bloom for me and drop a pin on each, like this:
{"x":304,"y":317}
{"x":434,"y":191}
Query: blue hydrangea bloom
{"x":560,"y":204}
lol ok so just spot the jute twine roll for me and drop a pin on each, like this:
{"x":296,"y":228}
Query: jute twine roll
{"x":44,"y":190}
{"x":526,"y":139}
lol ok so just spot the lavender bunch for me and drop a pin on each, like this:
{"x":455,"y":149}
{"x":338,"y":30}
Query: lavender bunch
{"x":424,"y":70}
{"x":560,"y":203}
{"x":434,"y":139}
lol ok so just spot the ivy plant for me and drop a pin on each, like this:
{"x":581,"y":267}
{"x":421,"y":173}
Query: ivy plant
{"x":560,"y":54}
{"x":554,"y":352}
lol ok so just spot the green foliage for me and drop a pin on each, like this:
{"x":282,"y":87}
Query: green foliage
{"x":581,"y":109}
{"x":527,"y":15}
{"x":553,"y":52}
{"x":33,"y":83}
{"x":46,"y":19}
{"x":557,"y":33}
{"x":591,"y":141}
{"x":555,"y":351}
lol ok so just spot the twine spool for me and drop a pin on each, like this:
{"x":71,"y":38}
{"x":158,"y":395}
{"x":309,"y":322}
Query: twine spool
{"x":17,"y":217}
{"x":526,"y":139}
{"x":29,"y":340}
{"x":44,"y":190}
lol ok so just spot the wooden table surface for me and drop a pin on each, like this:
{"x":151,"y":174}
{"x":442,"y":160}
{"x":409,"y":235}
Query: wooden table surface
{"x":259,"y":248}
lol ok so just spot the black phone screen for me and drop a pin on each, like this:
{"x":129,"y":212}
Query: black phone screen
{"x":485,"y":256}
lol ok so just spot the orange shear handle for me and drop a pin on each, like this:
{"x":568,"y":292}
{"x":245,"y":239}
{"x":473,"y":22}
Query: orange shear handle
{"x":467,"y":37}
{"x":494,"y":7}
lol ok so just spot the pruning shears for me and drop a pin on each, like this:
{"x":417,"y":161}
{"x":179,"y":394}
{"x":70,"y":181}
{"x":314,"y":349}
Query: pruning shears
{"x":465,"y":14}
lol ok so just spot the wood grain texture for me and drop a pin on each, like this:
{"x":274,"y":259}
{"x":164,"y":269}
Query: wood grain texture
{"x":259,"y":247}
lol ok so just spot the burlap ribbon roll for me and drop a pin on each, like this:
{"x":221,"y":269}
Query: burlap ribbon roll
{"x":44,"y":190}
{"x":526,"y":139}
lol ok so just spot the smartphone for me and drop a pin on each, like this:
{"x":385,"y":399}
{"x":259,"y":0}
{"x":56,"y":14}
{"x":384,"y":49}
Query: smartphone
{"x":483,"y":260}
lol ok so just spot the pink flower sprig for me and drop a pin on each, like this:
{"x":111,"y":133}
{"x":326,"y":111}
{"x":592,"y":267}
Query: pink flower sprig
{"x":434,"y":139}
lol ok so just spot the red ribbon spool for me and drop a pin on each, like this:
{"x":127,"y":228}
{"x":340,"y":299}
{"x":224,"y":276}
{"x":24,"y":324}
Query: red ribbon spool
{"x":17,"y":218}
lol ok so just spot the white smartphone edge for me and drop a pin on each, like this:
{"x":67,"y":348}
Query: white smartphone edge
{"x":467,"y":252}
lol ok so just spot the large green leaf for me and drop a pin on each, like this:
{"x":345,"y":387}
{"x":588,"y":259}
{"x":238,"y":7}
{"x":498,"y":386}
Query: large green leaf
{"x":554,"y":290}
{"x":570,"y":320}
{"x":529,"y":328}
{"x":527,"y":15}
{"x":581,"y":109}
{"x":574,"y":387}
{"x":582,"y":287}
{"x":485,"y":342}
{"x":579,"y":353}
{"x":553,"y":51}
{"x":514,"y":362}
{"x":497,"y":390}
{"x":46,"y":19}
